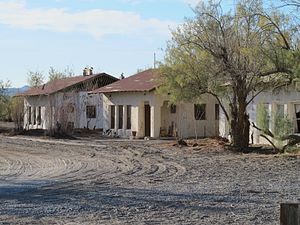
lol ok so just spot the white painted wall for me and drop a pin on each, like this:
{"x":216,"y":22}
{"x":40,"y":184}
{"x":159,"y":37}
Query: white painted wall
{"x":161,"y":117}
{"x":287,"y":98}
{"x":57,"y":108}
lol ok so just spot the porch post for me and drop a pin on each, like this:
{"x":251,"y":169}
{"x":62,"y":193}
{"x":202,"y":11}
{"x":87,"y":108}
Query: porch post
{"x":155,"y":121}
{"x":116,"y":118}
{"x":124,"y":119}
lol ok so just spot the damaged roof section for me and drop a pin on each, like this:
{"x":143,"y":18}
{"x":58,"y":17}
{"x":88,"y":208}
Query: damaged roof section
{"x":143,"y":81}
{"x":82,"y":83}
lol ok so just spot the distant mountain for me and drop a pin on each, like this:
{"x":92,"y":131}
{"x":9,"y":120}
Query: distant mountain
{"x":13,"y":91}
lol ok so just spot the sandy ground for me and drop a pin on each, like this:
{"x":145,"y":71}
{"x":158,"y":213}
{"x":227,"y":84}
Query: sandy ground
{"x":89,"y":181}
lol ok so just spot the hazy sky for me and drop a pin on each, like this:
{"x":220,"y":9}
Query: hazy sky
{"x":113,"y":36}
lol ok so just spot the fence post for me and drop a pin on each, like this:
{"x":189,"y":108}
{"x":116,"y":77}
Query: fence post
{"x":290,"y":214}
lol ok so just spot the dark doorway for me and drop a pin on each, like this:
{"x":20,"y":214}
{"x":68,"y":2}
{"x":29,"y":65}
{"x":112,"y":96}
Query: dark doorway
{"x":298,"y":122}
{"x":147,"y":120}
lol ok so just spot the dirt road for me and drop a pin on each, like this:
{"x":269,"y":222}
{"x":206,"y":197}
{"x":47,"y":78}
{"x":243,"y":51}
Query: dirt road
{"x":140,"y":182}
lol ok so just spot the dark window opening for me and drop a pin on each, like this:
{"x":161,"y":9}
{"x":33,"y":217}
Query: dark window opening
{"x":34,"y":115}
{"x":173,"y":108}
{"x":112,"y":117}
{"x":29,"y":115}
{"x":39,"y":115}
{"x":120,"y":117}
{"x":200,"y":111}
{"x":91,"y":111}
{"x":217,"y":111}
{"x":128,"y":117}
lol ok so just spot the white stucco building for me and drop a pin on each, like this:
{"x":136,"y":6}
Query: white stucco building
{"x":132,"y":107}
{"x":285,"y":102}
{"x":65,"y":103}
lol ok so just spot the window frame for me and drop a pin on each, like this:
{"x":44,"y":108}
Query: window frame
{"x":200,"y":111}
{"x":91,"y":112}
{"x":173,"y":109}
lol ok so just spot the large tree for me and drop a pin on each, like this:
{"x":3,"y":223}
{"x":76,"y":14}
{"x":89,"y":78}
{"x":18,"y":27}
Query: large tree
{"x":232,"y":55}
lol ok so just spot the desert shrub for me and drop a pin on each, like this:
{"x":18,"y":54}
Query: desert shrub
{"x":262,"y":117}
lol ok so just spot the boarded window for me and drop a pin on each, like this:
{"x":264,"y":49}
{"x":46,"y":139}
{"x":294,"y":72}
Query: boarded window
{"x":173,"y":108}
{"x":29,"y":115}
{"x":34,"y":115}
{"x":217,"y":111}
{"x":90,"y":111}
{"x":39,"y":115}
{"x":200,"y":111}
{"x":120,"y":117}
{"x":128,"y":117}
{"x":112,"y":117}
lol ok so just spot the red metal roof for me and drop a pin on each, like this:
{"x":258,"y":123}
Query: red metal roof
{"x":61,"y":84}
{"x":143,"y":81}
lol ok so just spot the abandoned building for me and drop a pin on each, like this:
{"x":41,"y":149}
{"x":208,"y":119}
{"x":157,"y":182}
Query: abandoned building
{"x":132,"y":107}
{"x":65,"y":103}
{"x":284,"y":103}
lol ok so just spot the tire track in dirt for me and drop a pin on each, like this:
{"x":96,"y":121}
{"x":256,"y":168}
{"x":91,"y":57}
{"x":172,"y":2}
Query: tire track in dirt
{"x":124,"y":182}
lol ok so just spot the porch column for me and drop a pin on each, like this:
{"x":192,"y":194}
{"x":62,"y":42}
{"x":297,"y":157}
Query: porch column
{"x":155,"y":120}
{"x":124,"y":119}
{"x":116,"y":118}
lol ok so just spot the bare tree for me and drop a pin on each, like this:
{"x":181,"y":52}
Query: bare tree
{"x":35,"y":78}
{"x":233,"y":56}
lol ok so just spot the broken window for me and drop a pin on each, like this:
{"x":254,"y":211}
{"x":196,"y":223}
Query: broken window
{"x":39,"y":115}
{"x":90,"y":111}
{"x":297,"y":112}
{"x":112,"y":117}
{"x":29,"y":115}
{"x":120,"y":117}
{"x":173,"y":108}
{"x":128,"y":117}
{"x":200,"y":111}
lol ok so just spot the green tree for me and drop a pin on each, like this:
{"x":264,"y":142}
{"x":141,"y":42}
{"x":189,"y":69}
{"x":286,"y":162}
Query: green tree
{"x":262,"y":117}
{"x":281,"y":138}
{"x":232,"y":56}
{"x":35,"y":78}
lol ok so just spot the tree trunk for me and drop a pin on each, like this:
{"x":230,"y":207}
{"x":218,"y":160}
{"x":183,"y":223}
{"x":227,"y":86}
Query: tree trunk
{"x":240,"y":125}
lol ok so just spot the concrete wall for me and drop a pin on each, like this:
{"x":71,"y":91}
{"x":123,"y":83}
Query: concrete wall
{"x":183,"y":121}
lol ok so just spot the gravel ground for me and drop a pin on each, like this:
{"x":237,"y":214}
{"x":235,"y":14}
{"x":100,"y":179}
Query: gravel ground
{"x":90,"y":181}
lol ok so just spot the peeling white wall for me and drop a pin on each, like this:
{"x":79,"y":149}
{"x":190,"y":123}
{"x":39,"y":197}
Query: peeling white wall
{"x":56,"y":108}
